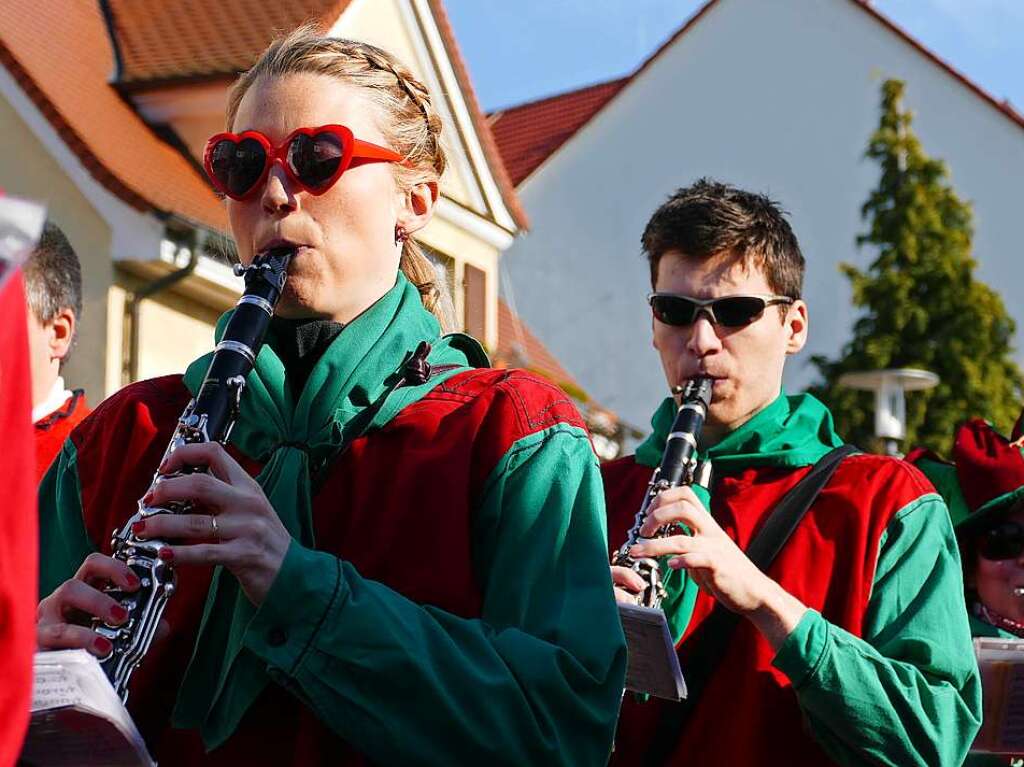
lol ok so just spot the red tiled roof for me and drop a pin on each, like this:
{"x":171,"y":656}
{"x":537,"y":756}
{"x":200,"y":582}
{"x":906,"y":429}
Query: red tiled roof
{"x":60,"y":54}
{"x":518,"y":347}
{"x":530,"y":133}
{"x":168,"y":40}
{"x":1003,"y":106}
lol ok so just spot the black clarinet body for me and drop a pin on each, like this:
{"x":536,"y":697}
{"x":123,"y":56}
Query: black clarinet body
{"x":209,"y":417}
{"x":678,"y":466}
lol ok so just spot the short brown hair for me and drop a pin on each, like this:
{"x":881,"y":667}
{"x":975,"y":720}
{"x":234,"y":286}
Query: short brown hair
{"x":708,"y":218}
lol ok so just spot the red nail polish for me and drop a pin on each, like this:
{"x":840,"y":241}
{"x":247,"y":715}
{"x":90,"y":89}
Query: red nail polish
{"x":102,"y":645}
{"x":166,"y":554}
{"x":147,"y":499}
{"x":133,"y":580}
{"x":118,"y":613}
{"x":139,"y":527}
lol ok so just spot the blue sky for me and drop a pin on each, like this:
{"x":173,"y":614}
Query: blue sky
{"x":550,"y":46}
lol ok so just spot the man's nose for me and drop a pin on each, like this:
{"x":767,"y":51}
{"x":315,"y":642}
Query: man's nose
{"x":704,"y":338}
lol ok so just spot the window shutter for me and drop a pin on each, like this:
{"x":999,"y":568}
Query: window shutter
{"x":474,"y":286}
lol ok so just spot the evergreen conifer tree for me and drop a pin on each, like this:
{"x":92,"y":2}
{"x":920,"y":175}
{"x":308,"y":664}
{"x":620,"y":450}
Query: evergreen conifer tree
{"x":922,"y":306}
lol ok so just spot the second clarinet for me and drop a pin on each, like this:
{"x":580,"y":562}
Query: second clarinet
{"x":679,"y":466}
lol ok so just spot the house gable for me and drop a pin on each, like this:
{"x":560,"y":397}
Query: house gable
{"x":788,"y":112}
{"x":528,"y":134}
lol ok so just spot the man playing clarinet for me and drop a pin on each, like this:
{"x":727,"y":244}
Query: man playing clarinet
{"x":851,"y":645}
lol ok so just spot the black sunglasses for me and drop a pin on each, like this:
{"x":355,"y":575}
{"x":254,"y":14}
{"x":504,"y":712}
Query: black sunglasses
{"x":728,"y":311}
{"x":1002,"y":541}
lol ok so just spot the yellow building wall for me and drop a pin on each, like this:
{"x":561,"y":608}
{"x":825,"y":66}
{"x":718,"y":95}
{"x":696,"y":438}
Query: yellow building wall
{"x":28,"y":170}
{"x":173,"y":331}
{"x":463,"y":247}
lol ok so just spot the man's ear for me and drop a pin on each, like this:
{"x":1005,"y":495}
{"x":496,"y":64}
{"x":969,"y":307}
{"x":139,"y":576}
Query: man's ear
{"x":417,"y":206}
{"x":61,"y":333}
{"x":796,"y":326}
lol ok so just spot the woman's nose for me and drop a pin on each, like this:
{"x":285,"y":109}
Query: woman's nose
{"x":277,"y":196}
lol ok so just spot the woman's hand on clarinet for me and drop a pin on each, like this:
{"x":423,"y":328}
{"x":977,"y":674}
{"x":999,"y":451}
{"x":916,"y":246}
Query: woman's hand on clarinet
{"x":234,"y":524}
{"x":62,"y":619}
{"x":717,"y":564}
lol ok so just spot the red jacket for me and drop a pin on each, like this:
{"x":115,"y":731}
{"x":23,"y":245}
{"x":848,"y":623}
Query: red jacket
{"x":52,"y":430}
{"x":748,"y":713}
{"x":400,"y":506}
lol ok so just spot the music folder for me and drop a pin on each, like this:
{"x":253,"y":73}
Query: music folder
{"x":652,"y":666}
{"x":1001,"y":663}
{"x":77,"y":718}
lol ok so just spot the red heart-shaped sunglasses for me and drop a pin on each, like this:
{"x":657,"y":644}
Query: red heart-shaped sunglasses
{"x":313,"y":158}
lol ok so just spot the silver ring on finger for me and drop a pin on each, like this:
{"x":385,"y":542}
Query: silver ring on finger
{"x":216,"y":529}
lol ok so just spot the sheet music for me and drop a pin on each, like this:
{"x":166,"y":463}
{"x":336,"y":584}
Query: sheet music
{"x":1001,"y":663}
{"x":652,"y":666}
{"x":77,"y":718}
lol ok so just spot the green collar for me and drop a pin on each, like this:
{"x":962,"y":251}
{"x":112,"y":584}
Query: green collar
{"x":356,"y":386}
{"x":790,"y":432}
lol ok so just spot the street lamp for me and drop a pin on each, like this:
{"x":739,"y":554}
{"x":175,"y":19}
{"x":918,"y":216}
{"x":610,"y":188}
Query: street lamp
{"x":890,"y":404}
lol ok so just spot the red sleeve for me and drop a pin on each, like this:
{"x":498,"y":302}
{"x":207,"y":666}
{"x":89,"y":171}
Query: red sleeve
{"x":18,"y":526}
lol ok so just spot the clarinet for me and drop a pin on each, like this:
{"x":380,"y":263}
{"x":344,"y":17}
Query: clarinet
{"x":209,"y":417}
{"x":678,"y":467}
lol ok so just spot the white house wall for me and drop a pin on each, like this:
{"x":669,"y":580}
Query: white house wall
{"x":778,"y":97}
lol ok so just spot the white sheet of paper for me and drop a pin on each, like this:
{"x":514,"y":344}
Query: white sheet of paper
{"x":652,"y":666}
{"x":77,"y":718}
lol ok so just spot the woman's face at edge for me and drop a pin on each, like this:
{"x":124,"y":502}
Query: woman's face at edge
{"x":346,"y":257}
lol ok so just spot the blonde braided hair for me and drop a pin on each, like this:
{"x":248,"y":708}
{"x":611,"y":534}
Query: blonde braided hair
{"x":410,"y":124}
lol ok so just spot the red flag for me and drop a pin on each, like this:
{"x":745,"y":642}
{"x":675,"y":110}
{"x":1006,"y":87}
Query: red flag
{"x":18,"y":523}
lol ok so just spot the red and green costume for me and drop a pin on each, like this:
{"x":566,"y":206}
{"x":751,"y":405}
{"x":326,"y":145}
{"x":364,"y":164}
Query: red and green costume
{"x":445,"y":599}
{"x":879,"y":670}
{"x":983,"y":482}
{"x":53,"y":429}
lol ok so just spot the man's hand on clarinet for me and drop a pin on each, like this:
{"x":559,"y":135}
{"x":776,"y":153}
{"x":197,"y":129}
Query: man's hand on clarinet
{"x":717,"y":564}
{"x":627,"y":585}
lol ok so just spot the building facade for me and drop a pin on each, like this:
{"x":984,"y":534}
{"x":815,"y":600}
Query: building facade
{"x":776,"y":97}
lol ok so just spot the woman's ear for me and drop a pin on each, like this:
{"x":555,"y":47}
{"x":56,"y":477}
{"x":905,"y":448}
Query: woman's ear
{"x":417,"y":206}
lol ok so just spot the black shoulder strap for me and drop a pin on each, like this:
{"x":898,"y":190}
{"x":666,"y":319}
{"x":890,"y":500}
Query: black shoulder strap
{"x":712,"y":639}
